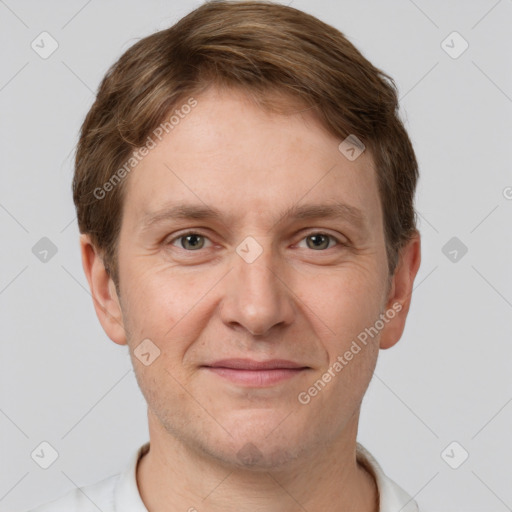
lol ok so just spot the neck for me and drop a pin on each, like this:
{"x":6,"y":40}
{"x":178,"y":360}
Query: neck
{"x":173,"y":476}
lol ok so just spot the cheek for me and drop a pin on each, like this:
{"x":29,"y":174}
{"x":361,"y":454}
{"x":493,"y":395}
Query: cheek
{"x":163,"y":305}
{"x":345,"y":302}
{"x":349,"y":306}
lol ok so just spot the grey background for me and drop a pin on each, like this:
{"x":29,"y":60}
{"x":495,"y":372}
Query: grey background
{"x":63,"y":381}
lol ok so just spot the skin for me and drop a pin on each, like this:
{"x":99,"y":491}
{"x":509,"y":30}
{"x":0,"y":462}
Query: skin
{"x":295,"y":302}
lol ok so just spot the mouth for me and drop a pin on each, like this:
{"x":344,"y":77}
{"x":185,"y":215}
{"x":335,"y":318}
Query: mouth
{"x":247,"y":372}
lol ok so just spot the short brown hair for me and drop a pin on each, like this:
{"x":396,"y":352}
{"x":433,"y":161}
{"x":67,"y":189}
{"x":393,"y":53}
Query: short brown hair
{"x":260,"y":47}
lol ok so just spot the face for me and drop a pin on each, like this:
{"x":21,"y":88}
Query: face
{"x":248,"y":235}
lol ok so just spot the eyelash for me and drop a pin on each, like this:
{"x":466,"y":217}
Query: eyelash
{"x":188,"y":233}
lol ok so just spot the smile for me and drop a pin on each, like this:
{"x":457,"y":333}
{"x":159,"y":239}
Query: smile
{"x":256,"y":378}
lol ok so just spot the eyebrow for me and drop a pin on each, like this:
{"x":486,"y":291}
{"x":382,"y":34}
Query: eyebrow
{"x":299,"y":212}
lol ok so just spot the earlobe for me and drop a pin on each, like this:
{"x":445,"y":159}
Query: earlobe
{"x":103,"y":291}
{"x":399,"y":297}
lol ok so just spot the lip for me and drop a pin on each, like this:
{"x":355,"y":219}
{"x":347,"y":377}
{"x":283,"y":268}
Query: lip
{"x":253,"y":373}
{"x":251,"y":364}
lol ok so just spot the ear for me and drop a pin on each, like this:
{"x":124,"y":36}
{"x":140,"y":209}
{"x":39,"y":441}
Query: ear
{"x":103,"y":291}
{"x":400,"y":291}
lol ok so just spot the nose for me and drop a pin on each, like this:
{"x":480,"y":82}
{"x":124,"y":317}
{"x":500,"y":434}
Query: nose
{"x":257,"y":297}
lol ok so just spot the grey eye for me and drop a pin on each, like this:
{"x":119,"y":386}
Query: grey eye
{"x":192,"y":241}
{"x":318,"y":241}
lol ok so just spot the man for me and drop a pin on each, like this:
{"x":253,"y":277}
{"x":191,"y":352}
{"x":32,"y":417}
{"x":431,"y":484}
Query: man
{"x":244,"y":189}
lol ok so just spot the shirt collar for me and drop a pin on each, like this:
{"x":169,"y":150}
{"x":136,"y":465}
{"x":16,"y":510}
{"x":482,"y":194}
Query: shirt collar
{"x":126,"y":493}
{"x":392,"y":498}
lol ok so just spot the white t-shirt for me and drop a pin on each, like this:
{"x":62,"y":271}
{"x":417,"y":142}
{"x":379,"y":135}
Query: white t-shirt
{"x":119,"y":493}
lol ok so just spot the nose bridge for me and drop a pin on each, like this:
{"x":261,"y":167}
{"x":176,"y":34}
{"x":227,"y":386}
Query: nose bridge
{"x":255,"y":297}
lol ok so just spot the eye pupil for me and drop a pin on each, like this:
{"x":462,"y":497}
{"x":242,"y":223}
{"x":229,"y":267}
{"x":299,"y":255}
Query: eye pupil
{"x":318,"y":241}
{"x":192,"y":240}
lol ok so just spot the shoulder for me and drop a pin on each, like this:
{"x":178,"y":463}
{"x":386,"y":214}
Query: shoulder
{"x":91,"y":498}
{"x":118,"y":492}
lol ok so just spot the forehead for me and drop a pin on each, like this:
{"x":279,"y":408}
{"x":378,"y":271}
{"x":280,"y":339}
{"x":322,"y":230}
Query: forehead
{"x":230,"y":156}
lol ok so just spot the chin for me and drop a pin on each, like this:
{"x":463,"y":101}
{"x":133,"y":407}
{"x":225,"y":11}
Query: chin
{"x":255,"y":455}
{"x":261,"y":443}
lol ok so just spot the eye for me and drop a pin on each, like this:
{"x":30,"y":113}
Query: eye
{"x":319,"y":241}
{"x":193,"y":241}
{"x":190,"y":241}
